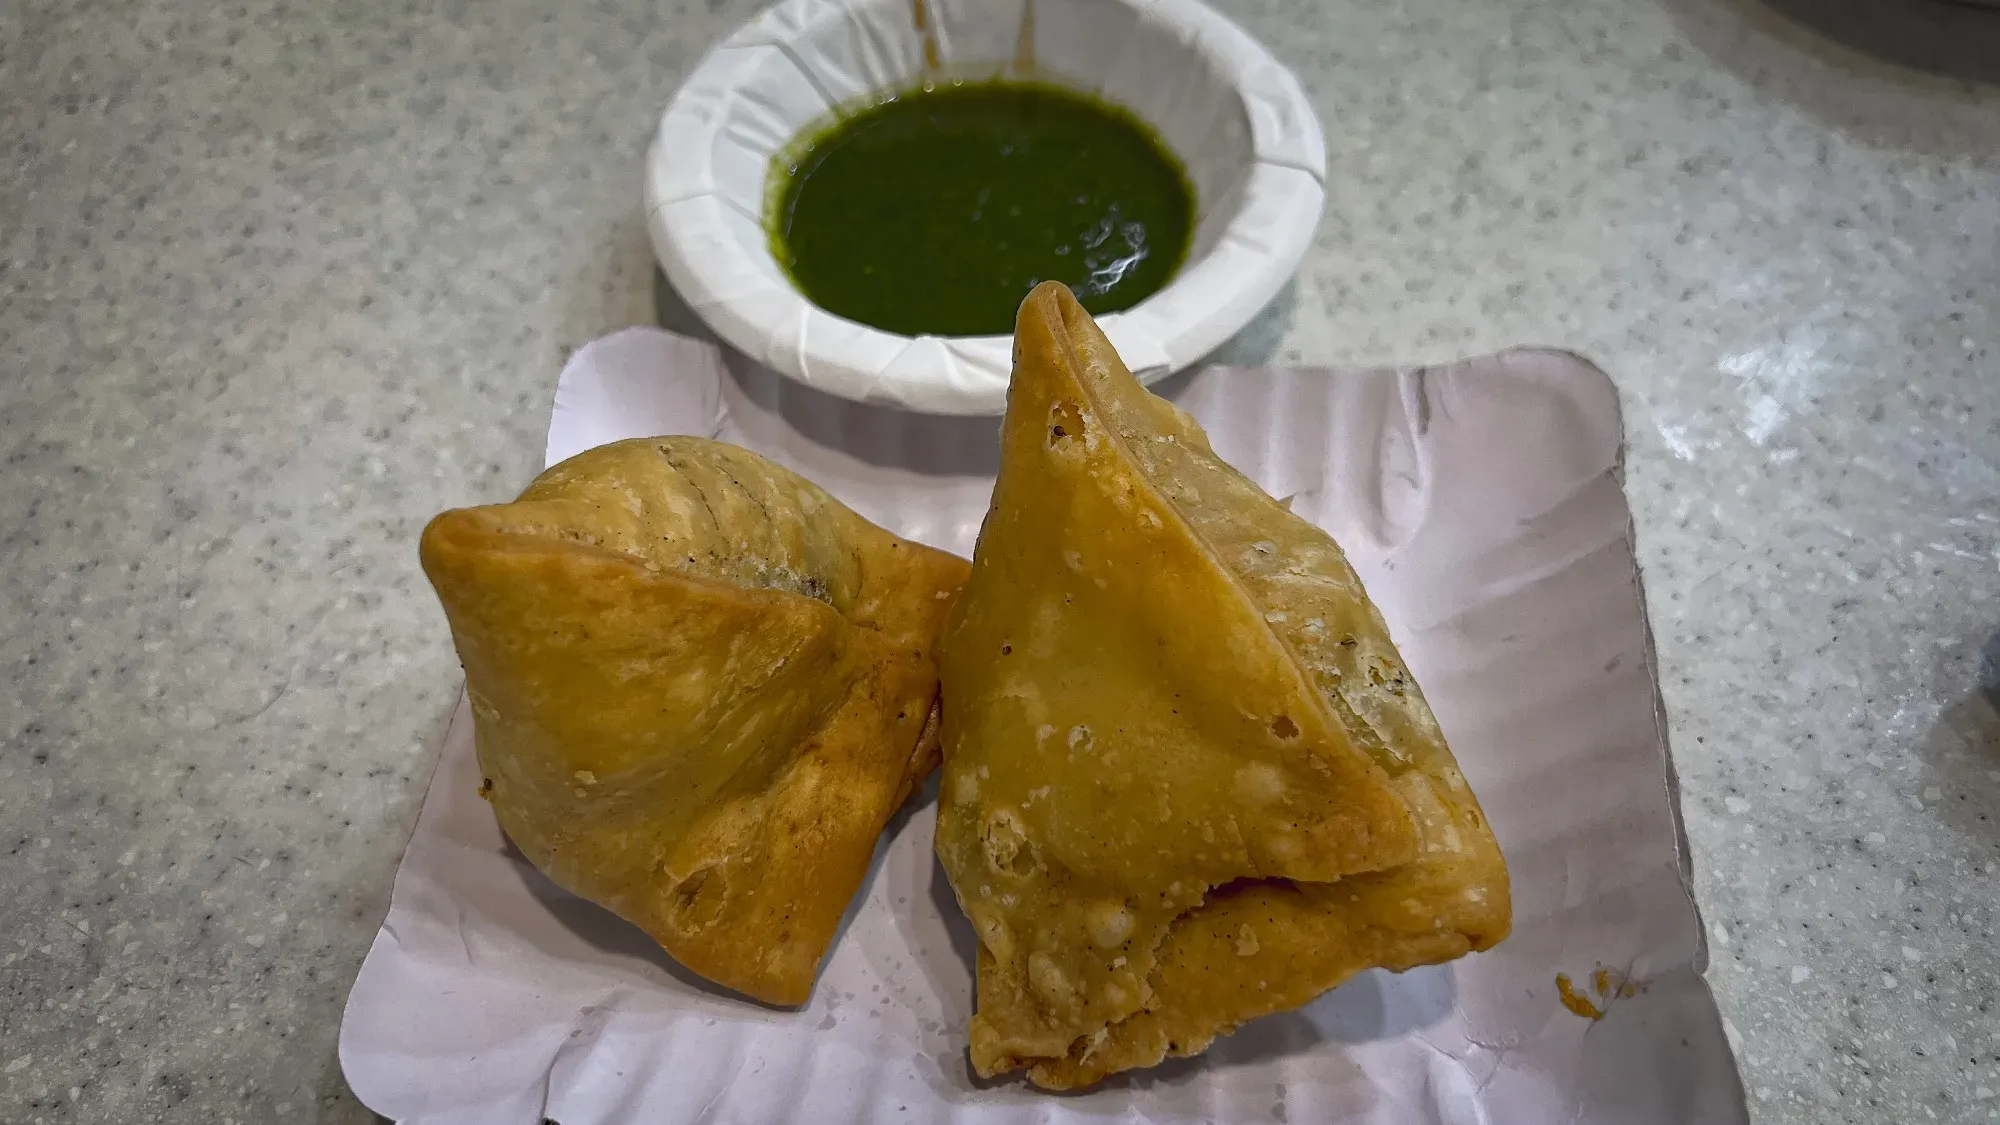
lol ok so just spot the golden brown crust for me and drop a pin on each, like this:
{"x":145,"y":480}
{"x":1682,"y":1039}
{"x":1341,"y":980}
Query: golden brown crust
{"x":1169,"y":705}
{"x":700,"y":687}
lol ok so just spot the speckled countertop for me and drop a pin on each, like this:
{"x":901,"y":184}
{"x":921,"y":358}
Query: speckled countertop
{"x":279,"y":280}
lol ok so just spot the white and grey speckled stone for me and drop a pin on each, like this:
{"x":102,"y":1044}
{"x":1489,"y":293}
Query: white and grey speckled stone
{"x":279,"y":280}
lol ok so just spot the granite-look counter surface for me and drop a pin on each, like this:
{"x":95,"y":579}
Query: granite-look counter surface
{"x":280,"y":280}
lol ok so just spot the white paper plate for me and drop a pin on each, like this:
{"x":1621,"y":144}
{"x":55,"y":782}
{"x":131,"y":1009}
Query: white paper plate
{"x":1482,"y":505}
{"x":1235,"y":115}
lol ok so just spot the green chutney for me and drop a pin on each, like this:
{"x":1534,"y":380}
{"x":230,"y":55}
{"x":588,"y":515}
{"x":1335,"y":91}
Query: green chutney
{"x":935,"y":211}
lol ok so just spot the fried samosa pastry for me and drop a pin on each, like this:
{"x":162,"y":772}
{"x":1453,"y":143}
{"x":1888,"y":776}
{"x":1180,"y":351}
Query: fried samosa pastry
{"x":700,"y":686}
{"x":1188,"y":780}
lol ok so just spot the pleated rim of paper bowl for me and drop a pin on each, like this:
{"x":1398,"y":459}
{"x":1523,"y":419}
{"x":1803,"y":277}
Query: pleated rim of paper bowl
{"x":1235,"y":115}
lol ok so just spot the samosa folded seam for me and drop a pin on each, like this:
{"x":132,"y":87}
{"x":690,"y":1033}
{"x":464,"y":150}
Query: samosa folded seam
{"x":1169,"y":701}
{"x":700,"y":687}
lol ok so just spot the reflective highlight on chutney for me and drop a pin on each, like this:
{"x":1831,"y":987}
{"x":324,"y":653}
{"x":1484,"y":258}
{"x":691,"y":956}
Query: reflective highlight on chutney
{"x":937,"y":210}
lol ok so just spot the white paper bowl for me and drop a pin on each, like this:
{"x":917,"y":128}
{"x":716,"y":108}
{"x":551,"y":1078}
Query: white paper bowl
{"x":1234,"y":114}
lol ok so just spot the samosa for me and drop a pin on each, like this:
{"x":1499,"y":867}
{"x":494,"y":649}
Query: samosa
{"x":1188,"y":779}
{"x":700,"y":687}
